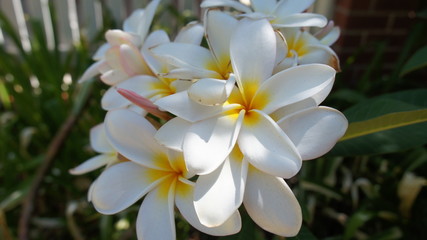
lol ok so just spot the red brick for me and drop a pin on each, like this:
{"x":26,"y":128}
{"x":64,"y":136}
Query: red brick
{"x":397,"y":5}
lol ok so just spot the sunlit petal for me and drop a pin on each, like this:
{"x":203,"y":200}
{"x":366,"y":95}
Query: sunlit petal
{"x":267,"y":147}
{"x":210,"y":92}
{"x":301,"y":20}
{"x":222,"y":188}
{"x":121,"y":185}
{"x":133,"y":137}
{"x":192,"y":33}
{"x":172,"y":133}
{"x":314,"y":131}
{"x":293,"y":85}
{"x":184,"y":202}
{"x":156,"y":215}
{"x":271,"y":204}
{"x":208,"y":142}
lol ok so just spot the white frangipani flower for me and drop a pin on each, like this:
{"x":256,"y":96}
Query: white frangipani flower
{"x":283,"y":13}
{"x":100,"y":144}
{"x":154,"y":172}
{"x":122,"y":43}
{"x":210,"y":132}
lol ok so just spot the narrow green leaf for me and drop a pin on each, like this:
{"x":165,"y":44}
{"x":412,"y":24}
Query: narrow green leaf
{"x":355,"y":222}
{"x":385,"y":122}
{"x":416,"y":61}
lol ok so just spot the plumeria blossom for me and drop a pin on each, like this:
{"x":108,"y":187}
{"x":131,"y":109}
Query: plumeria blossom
{"x":155,"y":86}
{"x":305,"y":48}
{"x":152,"y":171}
{"x":283,"y":13}
{"x":119,"y":58}
{"x":210,"y":132}
{"x":100,"y":144}
{"x":195,"y":62}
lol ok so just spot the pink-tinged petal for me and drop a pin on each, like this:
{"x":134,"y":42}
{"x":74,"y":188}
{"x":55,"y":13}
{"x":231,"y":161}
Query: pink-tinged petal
{"x":132,"y":61}
{"x":211,"y":92}
{"x":184,"y":202}
{"x":93,"y":163}
{"x":288,"y":7}
{"x":185,"y":55}
{"x":266,"y":146}
{"x":225,"y":3}
{"x":172,"y":133}
{"x":121,"y":185}
{"x":293,"y":85}
{"x":192,"y":33}
{"x":133,"y":137}
{"x":219,"y":28}
{"x":156,"y":216}
{"x":253,"y":55}
{"x":145,"y":23}
{"x":99,"y":141}
{"x":154,"y":39}
{"x":208,"y":142}
{"x":100,"y":52}
{"x":91,"y":72}
{"x":182,"y":106}
{"x":314,"y":131}
{"x":223,"y":188}
{"x":264,"y":6}
{"x":146,"y":86}
{"x":113,"y":77}
{"x":301,"y":20}
{"x":118,"y":37}
{"x":320,"y":54}
{"x":271,"y":204}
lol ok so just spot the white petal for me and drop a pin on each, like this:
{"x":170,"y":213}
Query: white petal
{"x":264,"y":6}
{"x":99,"y":141}
{"x":146,"y":19}
{"x":93,"y":163}
{"x":154,"y":39}
{"x":293,"y":85}
{"x":184,"y":202}
{"x":314,"y":131}
{"x":293,"y":108}
{"x":219,"y":29}
{"x":253,"y":55}
{"x":301,"y":20}
{"x":121,"y":185}
{"x":223,"y":188}
{"x":190,"y":73}
{"x":132,"y":61}
{"x":331,"y":37}
{"x":143,"y":85}
{"x":172,"y":133}
{"x":287,"y":63}
{"x":271,"y":204}
{"x":91,"y":72}
{"x":210,"y":92}
{"x":225,"y":3}
{"x":288,"y":7}
{"x":156,"y":215}
{"x":100,"y":52}
{"x":113,"y":77}
{"x":131,"y":23}
{"x":281,"y":47}
{"x":133,"y":137}
{"x":182,"y":106}
{"x":320,"y":54}
{"x":208,"y":142}
{"x":267,"y":147}
{"x":192,"y":33}
{"x":185,"y":55}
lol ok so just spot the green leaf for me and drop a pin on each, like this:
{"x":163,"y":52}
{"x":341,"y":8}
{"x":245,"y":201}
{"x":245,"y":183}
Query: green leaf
{"x":355,"y":222}
{"x":417,"y":61}
{"x":385,"y":124}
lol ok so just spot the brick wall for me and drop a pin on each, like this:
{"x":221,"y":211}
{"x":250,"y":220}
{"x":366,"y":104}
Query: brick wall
{"x":364,"y":22}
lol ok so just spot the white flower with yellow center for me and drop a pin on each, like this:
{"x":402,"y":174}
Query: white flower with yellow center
{"x":283,"y":13}
{"x":207,"y":134}
{"x":305,"y":48}
{"x":154,"y":172}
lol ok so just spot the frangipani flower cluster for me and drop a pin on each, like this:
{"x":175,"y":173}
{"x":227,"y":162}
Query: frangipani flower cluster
{"x":209,"y":129}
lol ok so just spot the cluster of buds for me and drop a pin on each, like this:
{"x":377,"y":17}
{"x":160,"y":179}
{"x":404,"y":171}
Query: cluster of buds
{"x":211,"y":128}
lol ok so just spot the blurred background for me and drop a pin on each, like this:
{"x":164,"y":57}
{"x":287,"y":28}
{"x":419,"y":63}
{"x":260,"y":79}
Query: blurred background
{"x":370,"y":187}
